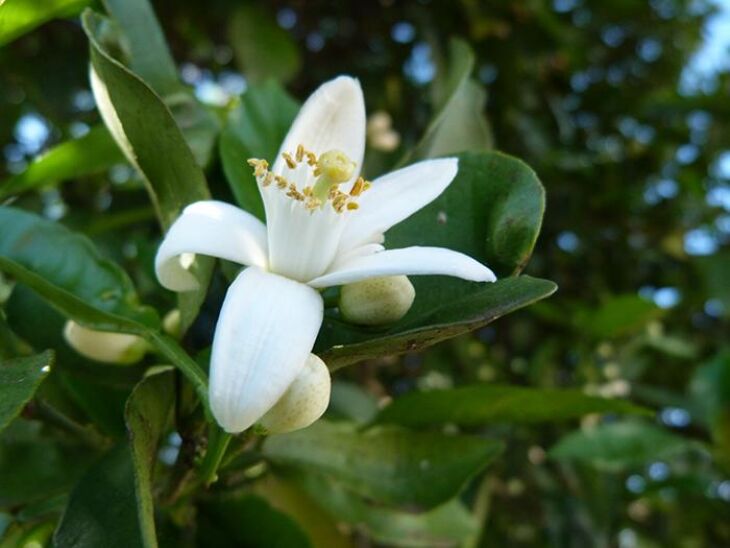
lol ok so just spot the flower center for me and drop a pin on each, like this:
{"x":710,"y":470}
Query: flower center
{"x":331,"y":169}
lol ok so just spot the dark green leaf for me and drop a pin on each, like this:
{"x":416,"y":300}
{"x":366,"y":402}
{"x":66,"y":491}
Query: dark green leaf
{"x":248,"y":521}
{"x":147,"y":133}
{"x":445,"y":525}
{"x":147,"y":414}
{"x":620,"y":445}
{"x":618,"y":316}
{"x":262,"y":48}
{"x":92,"y":153}
{"x":18,"y":17}
{"x":102,"y":509}
{"x":388,"y":464}
{"x":255,"y":129}
{"x":19,"y":379}
{"x":34,"y":467}
{"x":455,"y":317}
{"x":481,"y":404}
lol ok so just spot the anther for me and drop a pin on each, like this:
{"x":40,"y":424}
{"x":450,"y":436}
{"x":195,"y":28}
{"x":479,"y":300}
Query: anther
{"x":289,"y":160}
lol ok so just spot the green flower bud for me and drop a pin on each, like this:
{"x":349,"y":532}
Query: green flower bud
{"x":304,"y":401}
{"x":377,"y":301}
{"x":104,"y":346}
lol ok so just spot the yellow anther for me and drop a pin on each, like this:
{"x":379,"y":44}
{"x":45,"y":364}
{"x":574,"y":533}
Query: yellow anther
{"x":280,"y":181}
{"x":268,"y":179}
{"x":300,"y":153}
{"x":358,"y":187}
{"x":352,"y":205}
{"x":311,"y":158}
{"x":336,"y":166}
{"x":289,"y":160}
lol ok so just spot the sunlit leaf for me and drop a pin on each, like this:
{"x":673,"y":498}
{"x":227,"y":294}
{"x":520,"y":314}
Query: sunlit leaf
{"x":18,"y":17}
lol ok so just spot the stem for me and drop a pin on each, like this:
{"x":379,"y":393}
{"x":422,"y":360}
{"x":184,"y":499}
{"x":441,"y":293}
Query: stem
{"x":53,"y":416}
{"x":218,"y":441}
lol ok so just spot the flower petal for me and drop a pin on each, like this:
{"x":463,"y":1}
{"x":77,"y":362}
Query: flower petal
{"x":210,"y":228}
{"x":264,"y":335}
{"x":408,"y":261}
{"x":395,"y":197}
{"x":332,"y":118}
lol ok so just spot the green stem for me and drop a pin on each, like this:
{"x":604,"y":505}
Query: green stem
{"x":218,"y":441}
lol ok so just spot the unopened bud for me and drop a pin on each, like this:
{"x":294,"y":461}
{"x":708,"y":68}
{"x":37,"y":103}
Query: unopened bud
{"x":304,"y":401}
{"x":171,"y":323}
{"x":377,"y":301}
{"x":103,"y":346}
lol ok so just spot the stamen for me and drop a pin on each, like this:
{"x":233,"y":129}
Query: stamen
{"x":289,"y":160}
{"x":300,"y":153}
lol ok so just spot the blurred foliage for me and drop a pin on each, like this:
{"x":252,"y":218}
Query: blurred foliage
{"x":633,"y":150}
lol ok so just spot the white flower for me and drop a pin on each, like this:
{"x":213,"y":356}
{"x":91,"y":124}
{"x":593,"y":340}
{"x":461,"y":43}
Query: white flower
{"x":324,"y":227}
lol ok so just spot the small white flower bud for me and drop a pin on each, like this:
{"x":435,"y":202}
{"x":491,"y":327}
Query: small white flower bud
{"x":377,"y":301}
{"x":304,"y":401}
{"x":104,"y":346}
{"x":171,"y":323}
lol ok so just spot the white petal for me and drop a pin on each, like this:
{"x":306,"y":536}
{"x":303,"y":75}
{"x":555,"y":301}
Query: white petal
{"x":395,"y":197}
{"x":264,"y":335}
{"x":304,"y":401}
{"x":210,"y":228}
{"x":407,"y":261}
{"x":332,"y":118}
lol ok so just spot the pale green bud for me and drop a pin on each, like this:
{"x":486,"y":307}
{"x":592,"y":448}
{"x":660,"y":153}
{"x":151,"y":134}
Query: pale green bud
{"x":304,"y":401}
{"x":377,"y":301}
{"x":104,"y":346}
{"x":171,"y":323}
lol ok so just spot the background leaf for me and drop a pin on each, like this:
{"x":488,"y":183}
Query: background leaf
{"x":483,"y":404}
{"x":255,"y":129}
{"x":20,"y":16}
{"x":388,"y":464}
{"x":19,"y":379}
{"x":262,"y":48}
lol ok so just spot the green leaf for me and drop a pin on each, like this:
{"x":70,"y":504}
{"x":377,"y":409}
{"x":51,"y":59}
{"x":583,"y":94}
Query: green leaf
{"x":459,"y":124}
{"x":388,"y":464}
{"x":710,"y":390}
{"x":18,"y":17}
{"x":352,"y":402}
{"x":617,"y":316}
{"x":147,"y":133}
{"x":87,"y":155}
{"x":482,"y":404}
{"x":254,"y":129}
{"x":150,"y":57}
{"x":230,"y":522}
{"x":71,"y":263}
{"x":620,"y":445}
{"x":34,"y":467}
{"x":65,"y":270}
{"x":492,"y":212}
{"x":19,"y":379}
{"x":147,"y":414}
{"x":340,"y":344}
{"x":262,"y":48}
{"x":102,"y":509}
{"x":444,"y":525}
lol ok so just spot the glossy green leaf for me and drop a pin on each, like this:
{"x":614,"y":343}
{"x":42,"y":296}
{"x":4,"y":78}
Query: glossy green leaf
{"x":492,"y":212}
{"x":65,"y":270}
{"x":18,"y":17}
{"x":254,"y":129}
{"x":482,"y":404}
{"x":388,"y":464}
{"x":459,"y":124}
{"x":620,"y":445}
{"x":147,"y":133}
{"x":87,"y":155}
{"x":247,"y":521}
{"x":262,"y":48}
{"x":70,"y":262}
{"x":444,"y":525}
{"x":102,"y":509}
{"x":147,"y":414}
{"x":340,"y":344}
{"x":19,"y":379}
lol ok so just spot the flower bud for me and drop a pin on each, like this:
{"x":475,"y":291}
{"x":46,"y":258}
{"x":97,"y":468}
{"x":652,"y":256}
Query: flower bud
{"x":172,"y":324}
{"x":377,"y":301}
{"x":304,"y":401}
{"x":103,"y":346}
